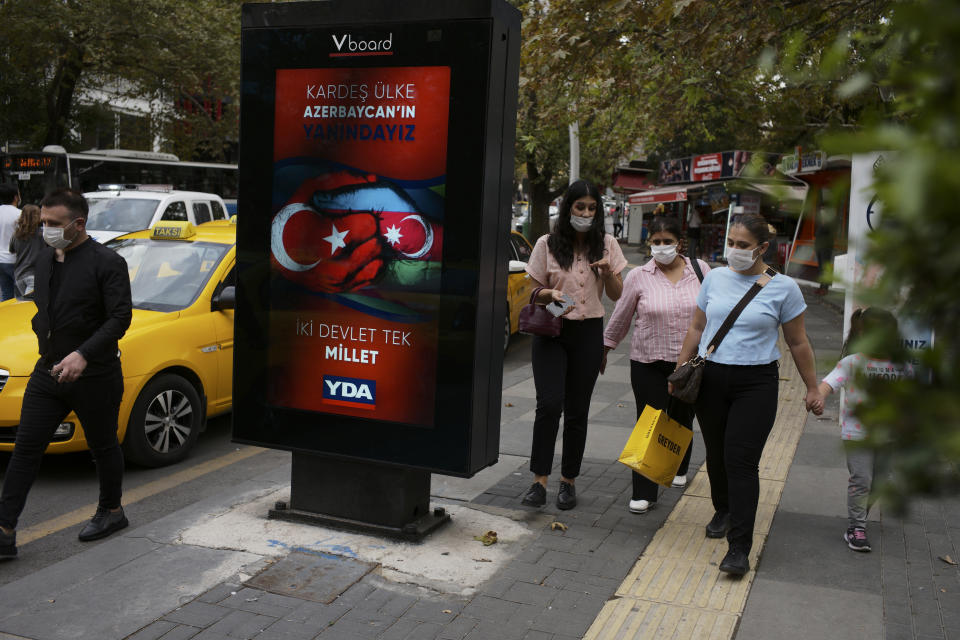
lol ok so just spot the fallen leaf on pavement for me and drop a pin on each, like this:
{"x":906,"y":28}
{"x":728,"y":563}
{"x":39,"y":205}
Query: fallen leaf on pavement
{"x":489,"y":538}
{"x":949,"y":560}
{"x":447,"y":611}
{"x":620,"y":405}
{"x":482,"y":560}
{"x":557,"y":526}
{"x":508,"y":404}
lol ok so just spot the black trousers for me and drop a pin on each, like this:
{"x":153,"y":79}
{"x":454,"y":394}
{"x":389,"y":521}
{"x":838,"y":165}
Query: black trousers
{"x":736,"y":409}
{"x":565,"y":369}
{"x":96,"y":401}
{"x":649,"y":382}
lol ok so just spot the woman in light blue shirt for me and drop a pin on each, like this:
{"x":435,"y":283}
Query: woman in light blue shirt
{"x":737,"y":404}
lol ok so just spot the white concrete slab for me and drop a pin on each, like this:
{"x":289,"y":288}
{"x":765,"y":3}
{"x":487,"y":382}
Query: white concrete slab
{"x":450,"y":560}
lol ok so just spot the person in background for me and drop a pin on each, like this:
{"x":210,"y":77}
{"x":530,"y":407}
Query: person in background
{"x":582,"y":261}
{"x":617,"y":221}
{"x":26,"y":244}
{"x":824,"y":237}
{"x":737,"y":403}
{"x":658,"y":299}
{"x":848,"y":375}
{"x":9,"y":214}
{"x":83,"y":309}
{"x":693,"y":233}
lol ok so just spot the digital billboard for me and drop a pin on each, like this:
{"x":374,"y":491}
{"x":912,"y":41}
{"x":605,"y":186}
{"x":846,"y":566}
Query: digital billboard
{"x":376,"y":168}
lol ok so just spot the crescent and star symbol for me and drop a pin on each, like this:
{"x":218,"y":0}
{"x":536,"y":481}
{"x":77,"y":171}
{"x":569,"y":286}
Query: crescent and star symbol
{"x":393,"y":235}
{"x":336,"y":239}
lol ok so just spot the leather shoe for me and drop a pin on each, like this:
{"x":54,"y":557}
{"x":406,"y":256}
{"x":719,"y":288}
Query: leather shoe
{"x":718,"y":525}
{"x":567,"y":497}
{"x":735,"y":562}
{"x":8,"y":544}
{"x":103,"y":523}
{"x":536,"y":496}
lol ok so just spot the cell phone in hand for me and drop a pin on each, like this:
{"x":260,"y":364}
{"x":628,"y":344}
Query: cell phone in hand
{"x":559,"y":307}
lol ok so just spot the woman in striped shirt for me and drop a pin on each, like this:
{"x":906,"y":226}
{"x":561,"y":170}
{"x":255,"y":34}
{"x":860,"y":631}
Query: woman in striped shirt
{"x":661,"y":295}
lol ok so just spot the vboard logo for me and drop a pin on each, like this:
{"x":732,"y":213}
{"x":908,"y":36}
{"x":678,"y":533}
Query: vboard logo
{"x":350,"y":392}
{"x":347,"y":45}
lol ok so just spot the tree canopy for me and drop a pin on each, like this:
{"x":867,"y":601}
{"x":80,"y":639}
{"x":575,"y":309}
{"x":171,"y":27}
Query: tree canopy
{"x":174,"y":54}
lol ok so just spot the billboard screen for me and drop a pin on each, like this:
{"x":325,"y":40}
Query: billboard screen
{"x":359,"y":168}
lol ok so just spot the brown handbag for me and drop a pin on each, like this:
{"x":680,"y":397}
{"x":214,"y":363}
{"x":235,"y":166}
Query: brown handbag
{"x":535,"y":320}
{"x":686,"y":378}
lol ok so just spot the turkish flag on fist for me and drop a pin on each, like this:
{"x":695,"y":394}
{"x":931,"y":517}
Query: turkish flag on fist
{"x":327,"y":250}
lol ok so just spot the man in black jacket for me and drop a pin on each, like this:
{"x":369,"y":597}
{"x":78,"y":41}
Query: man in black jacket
{"x":82,"y":293}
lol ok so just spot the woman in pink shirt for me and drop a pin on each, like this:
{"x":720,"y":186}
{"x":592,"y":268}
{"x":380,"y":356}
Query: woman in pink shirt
{"x":661,"y":295}
{"x":579,"y":260}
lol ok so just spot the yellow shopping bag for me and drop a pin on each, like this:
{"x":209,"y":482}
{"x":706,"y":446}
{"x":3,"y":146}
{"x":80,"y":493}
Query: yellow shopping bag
{"x":657,"y":446}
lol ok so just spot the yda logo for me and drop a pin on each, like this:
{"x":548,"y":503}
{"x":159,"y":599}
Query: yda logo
{"x":350,"y":392}
{"x":347,"y":46}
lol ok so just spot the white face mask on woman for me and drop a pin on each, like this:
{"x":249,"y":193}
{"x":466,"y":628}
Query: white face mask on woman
{"x":579,"y":223}
{"x":664,"y":253}
{"x":740,"y":259}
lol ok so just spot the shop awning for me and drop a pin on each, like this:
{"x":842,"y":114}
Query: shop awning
{"x":665,"y":194}
{"x":779,"y":190}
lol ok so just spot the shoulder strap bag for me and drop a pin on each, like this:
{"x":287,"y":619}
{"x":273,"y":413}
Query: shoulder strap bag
{"x":686,"y":379}
{"x":537,"y":321}
{"x":696,"y":269}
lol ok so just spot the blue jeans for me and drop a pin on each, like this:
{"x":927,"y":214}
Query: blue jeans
{"x":7,"y":288}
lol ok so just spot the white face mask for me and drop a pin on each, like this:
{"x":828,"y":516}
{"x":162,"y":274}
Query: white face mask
{"x":740,"y":259}
{"x":54,"y":237}
{"x":580,"y":223}
{"x":664,"y":253}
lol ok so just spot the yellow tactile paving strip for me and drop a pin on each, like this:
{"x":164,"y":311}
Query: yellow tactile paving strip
{"x":675,"y":590}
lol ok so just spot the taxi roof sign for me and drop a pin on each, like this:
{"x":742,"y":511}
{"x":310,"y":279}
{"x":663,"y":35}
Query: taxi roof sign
{"x":169,"y":230}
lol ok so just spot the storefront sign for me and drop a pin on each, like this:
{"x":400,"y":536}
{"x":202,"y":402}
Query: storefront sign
{"x":809,"y":162}
{"x":707,"y":167}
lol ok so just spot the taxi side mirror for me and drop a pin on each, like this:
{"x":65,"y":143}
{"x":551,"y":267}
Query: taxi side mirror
{"x":517,"y":266}
{"x":225,"y":299}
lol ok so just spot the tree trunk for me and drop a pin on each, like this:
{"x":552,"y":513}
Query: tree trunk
{"x":60,"y":93}
{"x":541,"y":195}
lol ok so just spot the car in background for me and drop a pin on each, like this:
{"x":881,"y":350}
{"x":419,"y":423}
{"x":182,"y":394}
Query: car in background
{"x":519,"y":285}
{"x":117,"y":209}
{"x":177,"y":355}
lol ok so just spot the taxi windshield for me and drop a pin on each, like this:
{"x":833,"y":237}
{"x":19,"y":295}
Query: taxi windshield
{"x":120,"y":214}
{"x":168,"y":275}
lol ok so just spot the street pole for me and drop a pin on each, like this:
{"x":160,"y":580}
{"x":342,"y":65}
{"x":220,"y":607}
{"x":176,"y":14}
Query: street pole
{"x":574,"y":152}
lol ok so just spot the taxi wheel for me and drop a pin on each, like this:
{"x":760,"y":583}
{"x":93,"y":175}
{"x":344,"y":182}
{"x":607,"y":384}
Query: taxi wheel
{"x":506,"y":333}
{"x":164,"y":423}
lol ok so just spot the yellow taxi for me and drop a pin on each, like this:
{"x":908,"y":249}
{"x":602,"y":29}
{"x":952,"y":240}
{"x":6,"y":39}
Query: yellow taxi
{"x":177,"y":355}
{"x":519,"y":286}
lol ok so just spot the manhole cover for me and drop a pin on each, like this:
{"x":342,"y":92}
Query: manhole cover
{"x":309,"y":576}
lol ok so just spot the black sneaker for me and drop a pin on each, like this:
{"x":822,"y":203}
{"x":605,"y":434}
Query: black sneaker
{"x":536,"y":496}
{"x":103,"y":523}
{"x":567,"y":497}
{"x":718,"y":525}
{"x":735,"y":562}
{"x":8,"y":544}
{"x":856,"y":539}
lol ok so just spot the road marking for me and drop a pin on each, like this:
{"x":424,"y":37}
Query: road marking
{"x":675,"y":591}
{"x":132,"y":496}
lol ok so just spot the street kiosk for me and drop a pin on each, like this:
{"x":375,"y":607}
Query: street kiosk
{"x":376,"y":165}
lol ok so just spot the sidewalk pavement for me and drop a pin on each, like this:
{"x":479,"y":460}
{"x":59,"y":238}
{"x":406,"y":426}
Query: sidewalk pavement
{"x":219,"y":570}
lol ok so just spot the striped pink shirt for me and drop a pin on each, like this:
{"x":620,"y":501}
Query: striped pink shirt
{"x":660,"y":310}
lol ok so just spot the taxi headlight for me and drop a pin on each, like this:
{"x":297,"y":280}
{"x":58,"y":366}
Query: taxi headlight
{"x":65,"y":430}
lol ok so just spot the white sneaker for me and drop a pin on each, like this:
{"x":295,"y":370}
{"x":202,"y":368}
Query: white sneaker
{"x":679,"y":482}
{"x":640,"y":506}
